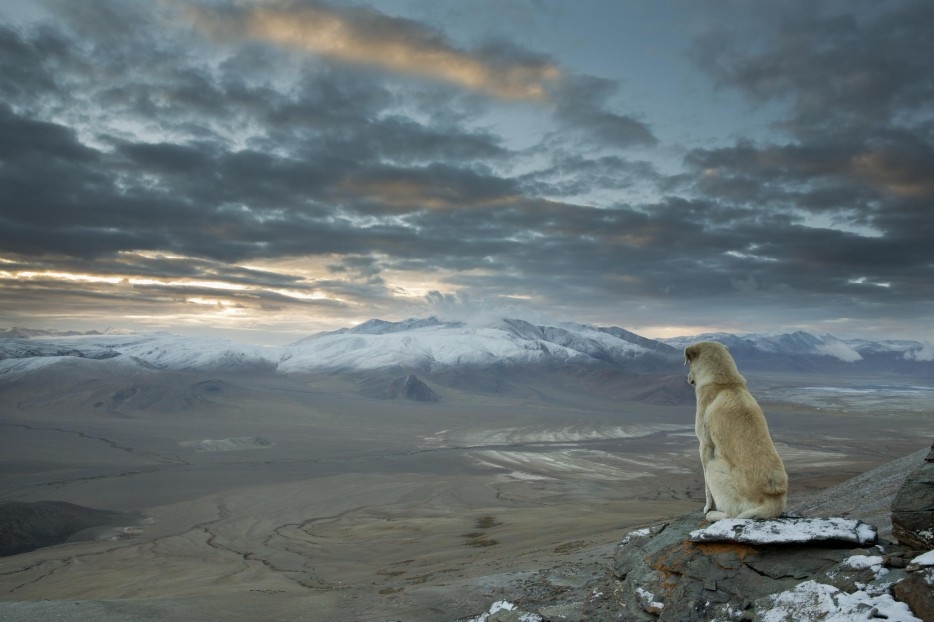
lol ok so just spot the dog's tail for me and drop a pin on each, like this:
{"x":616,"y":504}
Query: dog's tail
{"x":772,"y":506}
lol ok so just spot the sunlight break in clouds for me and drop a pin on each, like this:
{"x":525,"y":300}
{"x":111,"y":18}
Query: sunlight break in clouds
{"x":364,"y":36}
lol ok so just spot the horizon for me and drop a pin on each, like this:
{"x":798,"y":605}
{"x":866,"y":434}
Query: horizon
{"x":281,"y":338}
{"x":671,"y":168}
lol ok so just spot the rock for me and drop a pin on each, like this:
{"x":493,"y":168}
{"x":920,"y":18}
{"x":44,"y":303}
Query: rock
{"x":917,"y":591}
{"x":786,"y":530}
{"x":505,"y":611}
{"x":28,"y":526}
{"x":412,"y":388}
{"x":679,"y":572}
{"x":913,"y":507}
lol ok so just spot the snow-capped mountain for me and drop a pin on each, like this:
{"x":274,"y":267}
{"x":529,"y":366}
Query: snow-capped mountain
{"x":436,"y":346}
{"x":796,"y":343}
{"x":151,"y":350}
{"x":430,"y":344}
{"x":805,"y":347}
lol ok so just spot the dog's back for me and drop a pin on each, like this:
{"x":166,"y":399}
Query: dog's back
{"x":742,"y":470}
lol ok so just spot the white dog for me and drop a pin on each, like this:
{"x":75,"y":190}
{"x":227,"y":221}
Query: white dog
{"x":743,"y":474}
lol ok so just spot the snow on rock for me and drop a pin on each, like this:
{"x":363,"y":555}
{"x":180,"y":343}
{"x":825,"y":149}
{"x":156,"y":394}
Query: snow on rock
{"x":645,"y":532}
{"x":229,"y":444}
{"x":648,"y":601}
{"x":811,"y":601}
{"x":925,"y":559}
{"x":861,"y":562}
{"x":791,"y":530}
{"x":511,"y":611}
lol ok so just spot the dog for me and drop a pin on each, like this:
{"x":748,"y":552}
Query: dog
{"x":744,"y":477}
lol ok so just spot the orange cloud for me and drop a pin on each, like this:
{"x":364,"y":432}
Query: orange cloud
{"x":366,"y":37}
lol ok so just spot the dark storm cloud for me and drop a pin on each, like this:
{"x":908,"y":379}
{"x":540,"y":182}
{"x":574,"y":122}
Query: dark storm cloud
{"x":859,"y":157}
{"x":842,"y":70}
{"x":861,"y":89}
{"x":250,"y":147}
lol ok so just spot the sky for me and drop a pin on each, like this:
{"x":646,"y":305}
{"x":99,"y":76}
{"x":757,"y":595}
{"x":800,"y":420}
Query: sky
{"x":266,"y":169}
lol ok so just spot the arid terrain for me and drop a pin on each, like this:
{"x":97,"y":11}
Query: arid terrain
{"x":299,"y":498}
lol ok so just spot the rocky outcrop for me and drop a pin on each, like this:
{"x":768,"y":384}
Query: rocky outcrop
{"x":740,"y":569}
{"x":28,"y":526}
{"x":917,"y":590}
{"x":789,"y":569}
{"x":913,"y":507}
{"x":412,"y":388}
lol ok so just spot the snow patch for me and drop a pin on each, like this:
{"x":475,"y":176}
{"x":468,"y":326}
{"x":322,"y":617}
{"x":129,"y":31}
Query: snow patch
{"x":638,"y":533}
{"x":648,"y":601}
{"x":862,"y":562}
{"x":505,"y":605}
{"x":925,"y":559}
{"x":236,"y":443}
{"x":811,"y":601}
{"x":786,"y":530}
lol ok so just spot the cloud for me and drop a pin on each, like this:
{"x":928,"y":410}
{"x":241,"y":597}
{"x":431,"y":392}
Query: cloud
{"x":146,"y":163}
{"x":840,"y":350}
{"x":460,"y":307}
{"x":364,"y":36}
{"x":581,"y":102}
{"x":925,"y":353}
{"x":852,"y":150}
{"x":841,"y":69}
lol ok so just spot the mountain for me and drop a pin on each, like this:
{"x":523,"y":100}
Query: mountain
{"x":459,"y":352}
{"x":804,"y":351}
{"x":788,"y":344}
{"x":150,"y":350}
{"x":434,"y":345}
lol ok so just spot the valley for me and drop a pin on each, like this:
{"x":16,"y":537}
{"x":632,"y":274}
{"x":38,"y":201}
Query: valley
{"x":359,"y":507}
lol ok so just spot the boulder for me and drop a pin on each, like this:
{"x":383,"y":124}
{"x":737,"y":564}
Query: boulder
{"x":686,"y":570}
{"x":917,"y":590}
{"x":913,"y":507}
{"x":787,"y":530}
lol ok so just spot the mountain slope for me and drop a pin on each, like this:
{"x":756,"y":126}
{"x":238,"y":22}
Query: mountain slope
{"x":807,"y":352}
{"x":435,"y":346}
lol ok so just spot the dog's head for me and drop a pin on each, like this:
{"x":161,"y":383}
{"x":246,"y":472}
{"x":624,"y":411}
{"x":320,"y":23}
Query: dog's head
{"x":710,"y":362}
{"x":690,"y":355}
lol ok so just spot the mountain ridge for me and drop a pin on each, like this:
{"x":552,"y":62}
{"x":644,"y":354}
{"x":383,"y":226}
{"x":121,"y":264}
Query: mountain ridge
{"x":434,"y":345}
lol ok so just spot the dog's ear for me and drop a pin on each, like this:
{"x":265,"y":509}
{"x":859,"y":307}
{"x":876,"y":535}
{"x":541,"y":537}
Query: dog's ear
{"x":690,"y":353}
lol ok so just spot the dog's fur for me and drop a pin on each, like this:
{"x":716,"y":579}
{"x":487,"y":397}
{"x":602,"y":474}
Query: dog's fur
{"x":743,"y":474}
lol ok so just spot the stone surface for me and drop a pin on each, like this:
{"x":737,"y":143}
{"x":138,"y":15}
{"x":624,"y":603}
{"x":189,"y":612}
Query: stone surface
{"x":917,"y":591}
{"x":732,"y":579}
{"x":412,"y":388}
{"x":790,"y":530}
{"x":913,"y":507}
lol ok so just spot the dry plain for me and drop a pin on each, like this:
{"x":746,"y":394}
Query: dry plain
{"x":314,"y":502}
